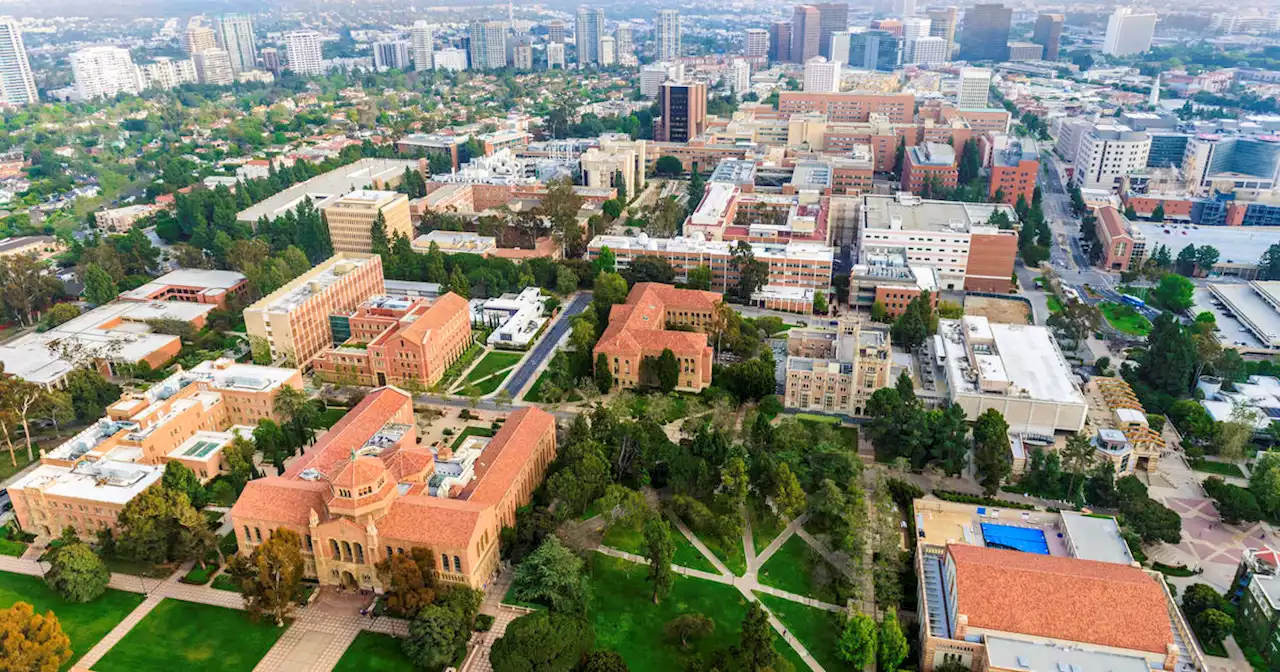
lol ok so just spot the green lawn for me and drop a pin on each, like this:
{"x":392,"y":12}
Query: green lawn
{"x":331,"y":416}
{"x":19,"y":455}
{"x":374,"y":652}
{"x":731,"y":554}
{"x":13,"y":548}
{"x":765,"y":524}
{"x":1125,"y":319}
{"x":1219,"y":468}
{"x":627,"y":621}
{"x":224,"y":581}
{"x":492,"y":363}
{"x":124,"y":566}
{"x":191,"y":637}
{"x":472,"y":430}
{"x":492,"y":383}
{"x":85,"y":624}
{"x":788,"y":569}
{"x":1055,"y":306}
{"x":631,"y":540}
{"x":817,"y":629}
{"x":533,"y":394}
{"x":814,"y":417}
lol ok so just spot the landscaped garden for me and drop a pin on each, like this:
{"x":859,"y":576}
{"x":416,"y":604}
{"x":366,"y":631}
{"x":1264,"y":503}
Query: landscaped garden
{"x":1219,"y":468}
{"x":765,"y":524}
{"x":84,"y":624}
{"x":788,"y":569}
{"x":817,"y":629}
{"x":1125,"y":318}
{"x":472,"y":430}
{"x":374,"y":652}
{"x":192,"y":637}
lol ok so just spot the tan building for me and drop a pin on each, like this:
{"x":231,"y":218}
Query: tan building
{"x":1123,"y":435}
{"x":351,"y":218}
{"x":806,"y":265}
{"x":192,"y":285}
{"x":835,"y":370}
{"x":189,"y":417}
{"x":849,"y":107}
{"x":638,"y":330}
{"x":370,"y":489}
{"x":600,"y":165}
{"x":293,"y":321}
{"x":120,"y":220}
{"x":396,"y":340}
{"x":40,"y":247}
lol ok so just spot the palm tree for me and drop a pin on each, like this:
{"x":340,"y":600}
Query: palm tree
{"x":294,"y":408}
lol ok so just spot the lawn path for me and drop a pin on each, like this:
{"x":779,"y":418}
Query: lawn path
{"x":702,"y":548}
{"x":778,"y":541}
{"x":88,"y":660}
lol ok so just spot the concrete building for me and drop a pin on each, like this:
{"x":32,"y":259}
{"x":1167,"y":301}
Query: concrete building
{"x":913,"y":28}
{"x":951,"y":237}
{"x":396,"y":341}
{"x":213,"y":66}
{"x":351,"y":218}
{"x":1123,"y":245}
{"x":833,"y":17}
{"x":837,"y":368}
{"x":779,"y":41}
{"x":984,"y":33}
{"x":1015,"y":166}
{"x":120,"y":220}
{"x":587,"y":33}
{"x":522,"y":57}
{"x":638,"y":331}
{"x":235,"y":35}
{"x":302,"y":48}
{"x":103,"y":72}
{"x":1128,"y":33}
{"x":928,"y":167}
{"x":806,"y":33}
{"x":167,"y":73}
{"x":821,"y":76}
{"x":625,"y":45}
{"x":929,"y":51}
{"x":188,"y":418}
{"x":516,"y":320}
{"x":608,"y":52}
{"x":615,"y":155}
{"x":422,"y":45}
{"x":488,"y":48}
{"x":684,"y":111}
{"x":841,"y":46}
{"x":848,"y":107}
{"x":666,"y":35}
{"x":555,"y":55}
{"x":368,"y":489}
{"x":391,"y":55}
{"x":757,"y":43}
{"x":1245,"y":161}
{"x":40,"y":247}
{"x":738,"y":76}
{"x":1025,"y":51}
{"x":556,"y":31}
{"x":271,"y":61}
{"x":373,"y":174}
{"x":942,"y":23}
{"x":293,"y":321}
{"x":1048,"y":34}
{"x":17,"y":84}
{"x":198,"y":38}
{"x":974,"y":88}
{"x":454,"y":60}
{"x":876,"y":50}
{"x":192,"y":285}
{"x":1107,"y":154}
{"x":1256,"y":306}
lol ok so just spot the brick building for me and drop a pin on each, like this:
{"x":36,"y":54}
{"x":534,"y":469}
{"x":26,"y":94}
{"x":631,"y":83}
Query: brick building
{"x":929,"y":167}
{"x":638,"y":330}
{"x":1123,"y":245}
{"x":1014,"y":169}
{"x":849,"y":107}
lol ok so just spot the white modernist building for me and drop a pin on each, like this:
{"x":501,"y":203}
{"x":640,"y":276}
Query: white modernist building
{"x":17,"y":85}
{"x":302,"y":48}
{"x":516,"y":319}
{"x":421,"y":41}
{"x":974,"y":88}
{"x":454,"y":60}
{"x":821,"y":76}
{"x":1107,"y":154}
{"x":667,"y":35}
{"x":235,"y":35}
{"x":1128,"y":33}
{"x":213,"y":66}
{"x":167,"y":73}
{"x":103,"y":72}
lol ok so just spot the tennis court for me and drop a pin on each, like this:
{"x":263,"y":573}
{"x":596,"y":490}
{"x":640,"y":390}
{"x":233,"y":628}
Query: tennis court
{"x":1025,"y":539}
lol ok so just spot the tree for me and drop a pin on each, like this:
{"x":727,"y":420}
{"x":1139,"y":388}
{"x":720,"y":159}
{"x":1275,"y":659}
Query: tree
{"x":667,"y":370}
{"x":788,"y":496}
{"x":178,"y":477}
{"x":649,"y":268}
{"x":660,"y":551}
{"x":440,"y":632}
{"x":583,"y":479}
{"x":991,"y":450}
{"x":689,"y":626}
{"x":1206,"y":257}
{"x":159,"y":525}
{"x":820,"y":303}
{"x":31,"y":642}
{"x":409,"y":581}
{"x":603,"y":376}
{"x":1264,"y":482}
{"x":1174,"y":292}
{"x":604,"y":661}
{"x":668,"y":166}
{"x":543,"y":642}
{"x":700,"y":277}
{"x":1185,"y":264}
{"x":1077,"y":460}
{"x":1199,"y":598}
{"x":755,"y":650}
{"x":458,"y":283}
{"x":916,"y":323}
{"x":1157,"y":214}
{"x":1235,"y":504}
{"x":1171,"y":356}
{"x":61,"y":313}
{"x":1129,"y":212}
{"x":275,"y":445}
{"x":1269,"y":264}
{"x":99,"y":288}
{"x":606,"y":261}
{"x":1214,"y":626}
{"x":608,"y":289}
{"x":892,"y":643}
{"x":857,"y":645}
{"x":566,"y":281}
{"x":299,"y":415}
{"x":77,"y":573}
{"x":752,"y":273}
{"x":552,"y":575}
{"x":272,"y":575}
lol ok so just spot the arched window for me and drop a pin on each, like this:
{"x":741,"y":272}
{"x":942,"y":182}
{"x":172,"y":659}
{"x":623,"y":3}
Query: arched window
{"x":444,"y":562}
{"x":247,"y":536}
{"x":359,"y":553}
{"x":258,"y":534}
{"x":346,"y":551}
{"x":457,"y":564}
{"x":333,"y":550}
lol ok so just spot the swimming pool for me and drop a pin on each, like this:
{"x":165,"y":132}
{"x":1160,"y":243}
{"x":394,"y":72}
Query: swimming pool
{"x":1025,"y":539}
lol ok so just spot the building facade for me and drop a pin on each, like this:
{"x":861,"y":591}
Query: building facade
{"x":684,"y":111}
{"x":836,"y":369}
{"x":103,"y":72}
{"x":422,"y":45}
{"x":984,"y":33}
{"x":638,"y":332}
{"x":302,"y":49}
{"x":235,"y":35}
{"x":17,"y":84}
{"x":666,"y":35}
{"x":1108,"y":153}
{"x":928,"y":167}
{"x":1048,"y":34}
{"x":351,"y":218}
{"x":1123,"y":245}
{"x":1128,"y":33}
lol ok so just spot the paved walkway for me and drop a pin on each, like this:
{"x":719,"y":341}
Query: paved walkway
{"x":117,"y":633}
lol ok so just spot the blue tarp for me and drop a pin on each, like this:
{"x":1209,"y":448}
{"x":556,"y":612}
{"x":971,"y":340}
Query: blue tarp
{"x":1023,"y":539}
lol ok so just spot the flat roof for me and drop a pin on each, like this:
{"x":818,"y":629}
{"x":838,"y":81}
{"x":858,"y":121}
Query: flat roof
{"x":642,"y":244}
{"x":1018,"y":654}
{"x":1254,"y":306}
{"x":1235,"y":244}
{"x":187,"y":277}
{"x":311,"y":283}
{"x":106,"y":481}
{"x":1096,"y":538}
{"x":356,"y":176}
{"x":23,"y":241}
{"x":1027,"y":357}
{"x":908,"y":212}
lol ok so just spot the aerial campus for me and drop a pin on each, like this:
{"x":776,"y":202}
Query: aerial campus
{"x":745,"y":336}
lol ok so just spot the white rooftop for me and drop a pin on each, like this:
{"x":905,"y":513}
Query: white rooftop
{"x":696,"y":244}
{"x":1255,"y":306}
{"x":187,"y":277}
{"x":714,"y":205}
{"x":1024,"y":355}
{"x":309,"y":285}
{"x":359,"y":175}
{"x":106,"y":481}
{"x":1096,"y":538}
{"x":1018,"y":654}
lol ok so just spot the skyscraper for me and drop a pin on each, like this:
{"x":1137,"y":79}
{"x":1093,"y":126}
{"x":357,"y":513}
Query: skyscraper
{"x":875,"y":50}
{"x":488,"y":45}
{"x":974,"y":88}
{"x":608,"y":51}
{"x":17,"y":86}
{"x":102,"y":72}
{"x":625,"y":43}
{"x":984,"y":34}
{"x":235,"y":34}
{"x":904,"y":7}
{"x":739,"y":76}
{"x":806,"y":30}
{"x":1048,"y":34}
{"x":942,"y":23}
{"x":913,"y":28}
{"x":780,"y":41}
{"x":198,"y":38}
{"x":556,"y":31}
{"x":1128,"y":33}
{"x":421,"y":44}
{"x":555,"y":55}
{"x":666,"y":35}
{"x":587,"y":34}
{"x":840,"y":42}
{"x":302,"y":47}
{"x":684,"y":111}
{"x":271,"y":60}
{"x":757,"y":43}
{"x":833,"y":17}
{"x":213,"y":66}
{"x":391,"y":55}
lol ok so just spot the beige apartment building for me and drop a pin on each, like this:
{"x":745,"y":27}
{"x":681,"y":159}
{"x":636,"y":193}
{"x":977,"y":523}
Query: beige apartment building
{"x":806,"y":265}
{"x":188,"y":417}
{"x":351,"y":218}
{"x":293,"y":321}
{"x":837,"y":368}
{"x":601,"y":165}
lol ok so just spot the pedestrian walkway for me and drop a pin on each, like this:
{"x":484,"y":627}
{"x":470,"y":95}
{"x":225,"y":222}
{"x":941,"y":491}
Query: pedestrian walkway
{"x":754,"y":564}
{"x":478,"y":659}
{"x":314,"y":642}
{"x":117,"y":633}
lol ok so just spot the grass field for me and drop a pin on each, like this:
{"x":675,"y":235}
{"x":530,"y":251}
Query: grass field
{"x":373,"y":652}
{"x":85,"y":624}
{"x":788,"y":569}
{"x":814,"y":417}
{"x":631,"y":540}
{"x":492,"y":383}
{"x":627,"y":621}
{"x":818,"y":630}
{"x":493,"y":362}
{"x":534,"y":394}
{"x":1125,"y":319}
{"x":12,"y":548}
{"x":1219,"y":468}
{"x":191,"y":637}
{"x":472,"y":430}
{"x":331,"y":416}
{"x":730,"y":554}
{"x":765,"y":524}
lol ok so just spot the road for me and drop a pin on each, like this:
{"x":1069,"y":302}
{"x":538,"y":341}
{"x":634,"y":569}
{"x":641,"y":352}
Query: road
{"x":545,"y":347}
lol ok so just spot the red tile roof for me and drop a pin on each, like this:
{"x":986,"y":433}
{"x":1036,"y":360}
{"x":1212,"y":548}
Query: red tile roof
{"x":507,"y":453}
{"x":1114,"y":221}
{"x":639,"y":325}
{"x":333,"y":450}
{"x":434,"y":522}
{"x":444,"y":309}
{"x":1062,"y":598}
{"x":281,"y":499}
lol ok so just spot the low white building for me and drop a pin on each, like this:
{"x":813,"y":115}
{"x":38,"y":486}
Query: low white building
{"x":516,"y":319}
{"x":1256,"y":401}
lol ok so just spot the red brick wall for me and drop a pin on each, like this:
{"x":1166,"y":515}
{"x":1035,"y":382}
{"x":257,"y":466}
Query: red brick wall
{"x":1173,"y":207}
{"x":991,"y":262}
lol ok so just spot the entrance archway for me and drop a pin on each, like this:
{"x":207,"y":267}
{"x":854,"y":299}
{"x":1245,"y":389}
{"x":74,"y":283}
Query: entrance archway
{"x":349,"y":581}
